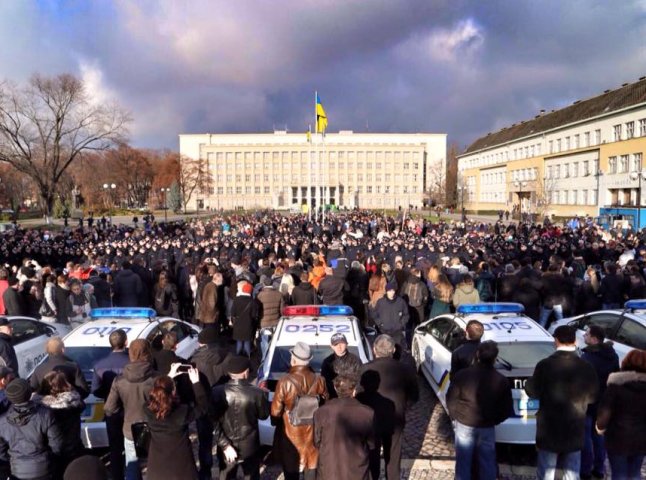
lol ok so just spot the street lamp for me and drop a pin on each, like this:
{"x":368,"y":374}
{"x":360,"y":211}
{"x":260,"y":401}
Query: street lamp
{"x":638,"y":176}
{"x":520,"y":185}
{"x":107,"y":187}
{"x":164,"y":193}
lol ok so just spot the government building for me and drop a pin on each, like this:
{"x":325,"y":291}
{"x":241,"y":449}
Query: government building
{"x":584,"y":159}
{"x":297,"y":171}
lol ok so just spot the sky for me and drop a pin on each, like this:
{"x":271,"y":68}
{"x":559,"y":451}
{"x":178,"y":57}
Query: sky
{"x":464,"y":68}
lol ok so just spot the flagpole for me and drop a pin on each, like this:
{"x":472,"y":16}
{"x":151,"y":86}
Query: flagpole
{"x":318,"y":168}
{"x":309,"y":175}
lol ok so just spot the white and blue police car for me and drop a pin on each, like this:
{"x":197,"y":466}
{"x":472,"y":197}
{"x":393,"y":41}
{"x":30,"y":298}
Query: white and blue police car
{"x":522,"y":343}
{"x":89,"y":343}
{"x":314,"y":325}
{"x":625,"y":328}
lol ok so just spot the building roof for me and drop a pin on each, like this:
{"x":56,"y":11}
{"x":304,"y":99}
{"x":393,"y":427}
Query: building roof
{"x":611,"y":100}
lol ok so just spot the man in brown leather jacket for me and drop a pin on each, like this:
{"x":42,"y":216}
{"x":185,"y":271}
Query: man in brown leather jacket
{"x":294,"y":445}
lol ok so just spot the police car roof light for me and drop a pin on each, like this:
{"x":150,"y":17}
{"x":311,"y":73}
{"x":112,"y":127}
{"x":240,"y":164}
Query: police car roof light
{"x":491,"y":308}
{"x":316,"y":310}
{"x":335,"y":310}
{"x":122,"y":312}
{"x":635,"y":304}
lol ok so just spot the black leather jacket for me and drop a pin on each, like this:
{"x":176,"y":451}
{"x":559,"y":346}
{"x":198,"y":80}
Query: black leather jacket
{"x":238,"y":407}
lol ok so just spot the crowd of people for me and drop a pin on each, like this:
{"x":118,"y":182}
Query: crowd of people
{"x":232,"y":275}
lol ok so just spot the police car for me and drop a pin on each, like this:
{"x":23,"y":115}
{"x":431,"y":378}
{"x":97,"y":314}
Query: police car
{"x":314,"y":325}
{"x":89,"y":343}
{"x":522,"y":344}
{"x":625,"y":328}
{"x":28,"y":337}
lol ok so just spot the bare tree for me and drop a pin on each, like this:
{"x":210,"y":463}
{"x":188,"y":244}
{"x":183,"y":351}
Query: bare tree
{"x":437,"y":183}
{"x":48,"y":124}
{"x":194,"y":178}
{"x":544,"y":189}
{"x":451,"y":174}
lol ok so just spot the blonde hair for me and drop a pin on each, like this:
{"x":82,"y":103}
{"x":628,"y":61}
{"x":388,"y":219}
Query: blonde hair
{"x":444,"y":289}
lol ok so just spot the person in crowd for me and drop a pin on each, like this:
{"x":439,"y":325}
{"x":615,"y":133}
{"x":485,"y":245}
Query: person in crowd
{"x":304,"y":293}
{"x":339,"y":362}
{"x":442,"y":294}
{"x":557,"y":294}
{"x":333,"y":287}
{"x":67,"y":406}
{"x":164,"y":358}
{"x":170,"y":453}
{"x":621,"y":418}
{"x":478,"y":399}
{"x":80,"y":304}
{"x":389,"y":387}
{"x":127,"y":287}
{"x":165,"y":297}
{"x":565,"y":385}
{"x":208,"y":311}
{"x":294,"y":444}
{"x":344,"y":434}
{"x":210,"y":359}
{"x":602,"y":356}
{"x":102,"y":291}
{"x":271,"y":306}
{"x":485,"y":283}
{"x":104,"y":373}
{"x":465,"y":292}
{"x":87,"y":467}
{"x":244,"y":317}
{"x":6,"y":376}
{"x":463,"y":356}
{"x":8,"y":356}
{"x":237,"y":407}
{"x":48,"y":309}
{"x":130,"y":393}
{"x":57,"y":361}
{"x":391,"y":314}
{"x":4,"y":284}
{"x":63,"y":305}
{"x":14,"y":303}
{"x":30,"y":437}
{"x":611,"y":289}
{"x":634,"y":283}
{"x":415,"y":292}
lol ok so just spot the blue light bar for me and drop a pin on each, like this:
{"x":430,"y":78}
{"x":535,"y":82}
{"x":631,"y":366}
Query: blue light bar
{"x":122,"y":312}
{"x":335,"y":310}
{"x":635,"y":304}
{"x":491,"y":308}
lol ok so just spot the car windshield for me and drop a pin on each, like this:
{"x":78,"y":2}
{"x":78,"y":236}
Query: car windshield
{"x":524,"y":354}
{"x":281,"y":359}
{"x":87,"y":357}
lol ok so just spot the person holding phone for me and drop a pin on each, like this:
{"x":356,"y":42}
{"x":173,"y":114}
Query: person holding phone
{"x":168,"y":421}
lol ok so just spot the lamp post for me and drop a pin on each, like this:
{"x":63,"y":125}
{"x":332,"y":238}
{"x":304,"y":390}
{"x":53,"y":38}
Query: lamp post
{"x":520,"y":185}
{"x":107,"y":187}
{"x":165,"y":191}
{"x":638,"y":175}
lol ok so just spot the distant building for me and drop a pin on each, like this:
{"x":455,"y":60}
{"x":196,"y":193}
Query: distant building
{"x":284,"y":171}
{"x":576,"y":160}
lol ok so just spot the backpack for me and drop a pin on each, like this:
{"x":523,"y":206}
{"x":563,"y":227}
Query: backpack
{"x":302,"y":412}
{"x":415,"y":294}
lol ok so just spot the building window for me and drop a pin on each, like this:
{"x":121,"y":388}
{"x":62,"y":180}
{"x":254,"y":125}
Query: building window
{"x":586,"y":168}
{"x":368,"y":188}
{"x":623,"y":164}
{"x":597,"y":137}
{"x":616,"y":133}
{"x":247,"y":190}
{"x":558,"y":145}
{"x":566,"y":168}
{"x":594,"y":196}
{"x":220,"y":190}
{"x":612,"y":164}
{"x":229,"y":190}
{"x":577,"y":141}
{"x":637,"y":162}
{"x":573,"y":200}
{"x":567,"y":143}
{"x":630,"y":129}
{"x":642,"y":127}
{"x":256,"y":190}
{"x":575,"y":169}
{"x":584,"y":197}
{"x":549,"y":171}
{"x":247,"y":178}
{"x":551,"y":145}
{"x":557,"y":171}
{"x":586,"y":139}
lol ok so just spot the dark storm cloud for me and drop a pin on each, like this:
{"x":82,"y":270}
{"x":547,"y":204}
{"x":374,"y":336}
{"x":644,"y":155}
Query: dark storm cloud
{"x":465,"y":68}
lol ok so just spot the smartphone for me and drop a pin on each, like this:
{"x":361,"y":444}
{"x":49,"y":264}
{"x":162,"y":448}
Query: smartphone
{"x":184,"y":368}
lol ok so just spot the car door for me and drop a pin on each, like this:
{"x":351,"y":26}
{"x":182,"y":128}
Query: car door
{"x":609,"y":321}
{"x":186,"y":336}
{"x":630,"y":335}
{"x":436,"y":358}
{"x":29,"y":339}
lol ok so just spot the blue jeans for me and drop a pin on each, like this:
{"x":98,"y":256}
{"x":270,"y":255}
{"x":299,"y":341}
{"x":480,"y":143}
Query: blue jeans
{"x":593,"y":455}
{"x":546,"y":465}
{"x":624,"y":467}
{"x":546,"y":311}
{"x":243,"y":345}
{"x":264,"y":342}
{"x":133,"y":472}
{"x":470,"y":441}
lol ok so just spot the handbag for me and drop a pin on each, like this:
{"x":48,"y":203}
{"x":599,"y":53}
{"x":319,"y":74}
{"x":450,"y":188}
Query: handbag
{"x":302,"y":412}
{"x":141,"y":438}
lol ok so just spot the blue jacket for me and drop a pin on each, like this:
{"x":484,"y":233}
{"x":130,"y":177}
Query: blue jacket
{"x":605,"y":361}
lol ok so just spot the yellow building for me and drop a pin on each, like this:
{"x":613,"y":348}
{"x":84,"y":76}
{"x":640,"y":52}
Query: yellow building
{"x":572,"y":161}
{"x":286,"y":171}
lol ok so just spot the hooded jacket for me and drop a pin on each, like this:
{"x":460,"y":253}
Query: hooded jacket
{"x":465,"y":294}
{"x":129,"y":393}
{"x":67,"y":408}
{"x":304,"y":294}
{"x":621,"y":413}
{"x":29,"y":436}
{"x":605,"y":361}
{"x":127,"y":288}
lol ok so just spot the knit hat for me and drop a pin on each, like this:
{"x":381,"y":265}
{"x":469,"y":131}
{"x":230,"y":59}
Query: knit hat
{"x":302,"y":351}
{"x":237,"y":365}
{"x":392,"y":285}
{"x":139,"y":350}
{"x":18,"y":391}
{"x":207,"y":336}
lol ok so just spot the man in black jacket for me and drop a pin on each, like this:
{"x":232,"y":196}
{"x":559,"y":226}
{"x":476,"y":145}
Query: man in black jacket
{"x":463,"y":356}
{"x":478,"y":399}
{"x":14,"y":303}
{"x":8,"y":356}
{"x":238,"y":406}
{"x":304,"y":293}
{"x":29,"y":436}
{"x":340,"y":362}
{"x":389,"y":387}
{"x":333,"y":287}
{"x":603,"y":358}
{"x":391,"y":314}
{"x":58,"y":361}
{"x":565,"y":385}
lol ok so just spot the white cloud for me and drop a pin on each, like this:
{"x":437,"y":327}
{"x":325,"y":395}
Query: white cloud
{"x":449,"y":45}
{"x":95,"y":87}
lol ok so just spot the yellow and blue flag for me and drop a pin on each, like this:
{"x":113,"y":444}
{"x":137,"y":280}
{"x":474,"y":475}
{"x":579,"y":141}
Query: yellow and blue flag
{"x":321,"y":117}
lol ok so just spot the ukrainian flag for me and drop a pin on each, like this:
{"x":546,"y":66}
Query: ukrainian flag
{"x":321,"y":117}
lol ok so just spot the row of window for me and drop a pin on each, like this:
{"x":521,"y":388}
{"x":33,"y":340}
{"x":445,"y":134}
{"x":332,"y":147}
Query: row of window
{"x":359,"y":189}
{"x":369,"y":177}
{"x":625,"y":163}
{"x":492,"y":197}
{"x":266,"y":157}
{"x":524,"y":174}
{"x":574,"y":197}
{"x":620,"y":133}
{"x":573,"y":169}
{"x":574,"y":141}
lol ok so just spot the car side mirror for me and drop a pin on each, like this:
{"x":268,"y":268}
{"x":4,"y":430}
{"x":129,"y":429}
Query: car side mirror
{"x":193,"y":333}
